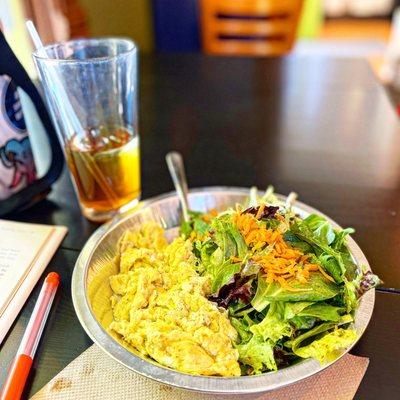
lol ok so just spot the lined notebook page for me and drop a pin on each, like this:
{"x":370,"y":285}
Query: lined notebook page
{"x":25,"y":251}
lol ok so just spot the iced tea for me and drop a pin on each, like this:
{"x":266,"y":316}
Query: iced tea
{"x":105,"y":165}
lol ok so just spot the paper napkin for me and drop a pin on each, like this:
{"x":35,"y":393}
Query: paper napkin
{"x":95,"y":375}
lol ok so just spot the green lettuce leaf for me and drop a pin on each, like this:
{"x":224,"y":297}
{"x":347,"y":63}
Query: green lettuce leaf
{"x":239,"y":308}
{"x":304,"y":314}
{"x":303,"y":246}
{"x":258,"y":354}
{"x":204,"y":251}
{"x":317,"y":288}
{"x":215,"y":255}
{"x":292,"y":309}
{"x":316,"y":331}
{"x":273,"y":326}
{"x":201,"y":227}
{"x":219,"y":270}
{"x":350,"y":296}
{"x":329,"y":346}
{"x":223,"y":239}
{"x":322,"y":311}
{"x":317,"y":232}
{"x":354,"y":289}
{"x":242,"y":326}
{"x":267,"y":198}
{"x":271,"y":223}
{"x":258,"y":351}
{"x":330,"y":264}
{"x":303,"y":322}
{"x":321,"y":229}
{"x":222,"y":275}
{"x":350,"y":267}
{"x":340,"y":239}
{"x":195,"y":223}
{"x":228,"y":237}
{"x":259,"y":301}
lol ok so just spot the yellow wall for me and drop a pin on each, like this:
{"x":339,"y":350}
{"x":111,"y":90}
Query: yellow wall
{"x":16,"y":33}
{"x":131,"y":18}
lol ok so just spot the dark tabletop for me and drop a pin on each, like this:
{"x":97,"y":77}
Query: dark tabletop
{"x":319,"y":126}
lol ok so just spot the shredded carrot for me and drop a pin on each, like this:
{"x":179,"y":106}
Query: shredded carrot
{"x":279,"y":217}
{"x":213,"y":212}
{"x":206,"y":218}
{"x":283,"y":263}
{"x":260,"y":211}
{"x":325,"y":274}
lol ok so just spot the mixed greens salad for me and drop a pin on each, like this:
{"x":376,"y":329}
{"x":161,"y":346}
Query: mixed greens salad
{"x":289,"y":285}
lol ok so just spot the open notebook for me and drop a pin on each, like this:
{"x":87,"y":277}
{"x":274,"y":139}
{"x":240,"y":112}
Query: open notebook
{"x":25,"y":251}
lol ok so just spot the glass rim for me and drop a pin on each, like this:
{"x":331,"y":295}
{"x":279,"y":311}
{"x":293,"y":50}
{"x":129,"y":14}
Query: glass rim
{"x":131,"y":48}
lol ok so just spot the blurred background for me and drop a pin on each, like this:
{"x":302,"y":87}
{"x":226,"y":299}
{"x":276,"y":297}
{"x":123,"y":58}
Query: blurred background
{"x":336,"y":28}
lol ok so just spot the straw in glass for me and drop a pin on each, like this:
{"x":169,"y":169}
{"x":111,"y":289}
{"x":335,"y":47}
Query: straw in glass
{"x":71,"y":119}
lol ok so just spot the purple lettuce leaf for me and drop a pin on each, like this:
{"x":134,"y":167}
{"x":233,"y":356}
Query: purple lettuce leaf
{"x":238,"y":288}
{"x":268,"y":212}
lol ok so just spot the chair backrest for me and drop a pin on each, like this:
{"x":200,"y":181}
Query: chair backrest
{"x":249,"y":27}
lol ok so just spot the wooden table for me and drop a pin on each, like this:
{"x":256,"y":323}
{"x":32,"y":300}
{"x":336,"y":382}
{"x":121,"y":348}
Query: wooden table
{"x":321,"y":127}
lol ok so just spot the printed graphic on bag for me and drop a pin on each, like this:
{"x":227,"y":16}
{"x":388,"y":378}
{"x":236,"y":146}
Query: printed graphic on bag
{"x":17,"y":166}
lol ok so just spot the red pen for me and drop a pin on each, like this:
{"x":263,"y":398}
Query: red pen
{"x":19,"y":370}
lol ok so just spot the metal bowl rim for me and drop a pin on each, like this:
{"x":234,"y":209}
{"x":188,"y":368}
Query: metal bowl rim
{"x":217,"y":385}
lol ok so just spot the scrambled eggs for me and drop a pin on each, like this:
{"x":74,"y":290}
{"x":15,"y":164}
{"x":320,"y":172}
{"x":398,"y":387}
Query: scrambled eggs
{"x":160,"y":306}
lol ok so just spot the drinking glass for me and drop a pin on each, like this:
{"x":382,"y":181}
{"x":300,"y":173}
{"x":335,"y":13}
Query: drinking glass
{"x":90,"y":88}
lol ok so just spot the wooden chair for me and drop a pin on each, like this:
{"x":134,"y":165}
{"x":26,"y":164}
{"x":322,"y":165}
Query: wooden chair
{"x":249,"y":27}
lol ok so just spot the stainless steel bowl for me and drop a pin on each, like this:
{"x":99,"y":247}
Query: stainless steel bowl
{"x":90,"y":294}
